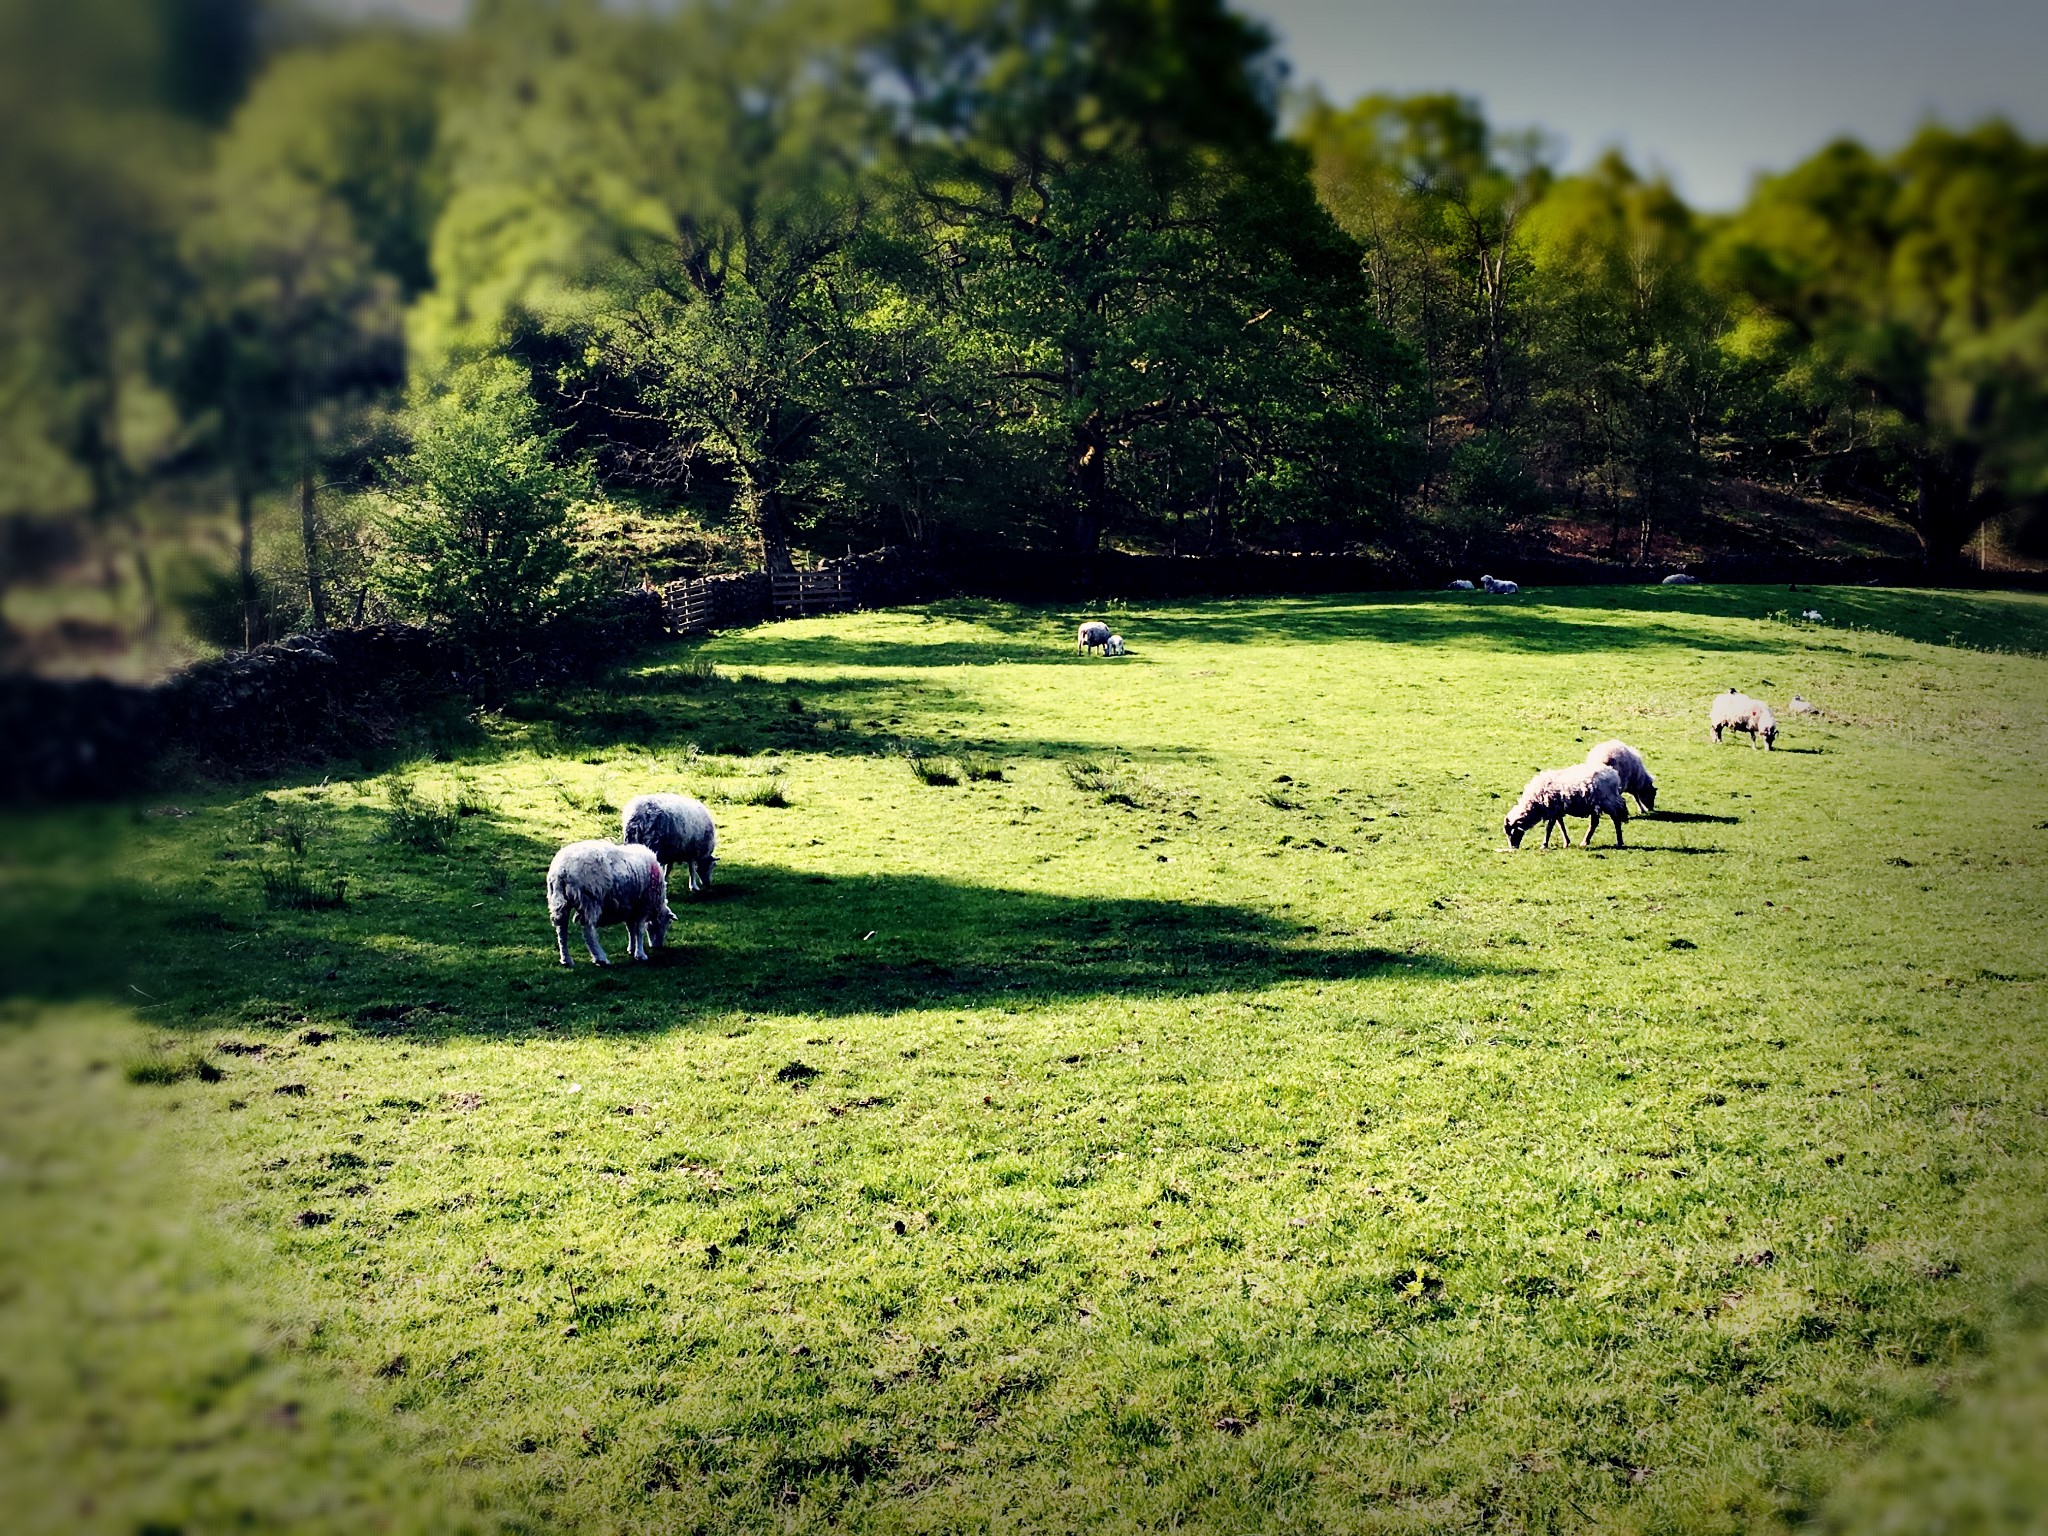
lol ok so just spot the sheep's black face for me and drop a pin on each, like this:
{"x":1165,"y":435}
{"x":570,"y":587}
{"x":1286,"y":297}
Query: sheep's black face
{"x":657,"y":930}
{"x":1514,"y":833}
{"x":1649,"y":798}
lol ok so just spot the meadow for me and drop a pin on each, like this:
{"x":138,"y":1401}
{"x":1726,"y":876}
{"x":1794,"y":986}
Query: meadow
{"x":1113,"y":1095}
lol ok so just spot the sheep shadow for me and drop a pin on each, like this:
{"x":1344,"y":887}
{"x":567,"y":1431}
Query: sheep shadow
{"x":1691,"y":818}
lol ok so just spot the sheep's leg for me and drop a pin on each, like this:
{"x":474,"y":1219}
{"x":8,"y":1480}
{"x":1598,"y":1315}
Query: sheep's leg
{"x":591,"y":943}
{"x":562,"y":937}
{"x":1617,"y":831}
{"x":1592,"y":826}
{"x":636,"y":934}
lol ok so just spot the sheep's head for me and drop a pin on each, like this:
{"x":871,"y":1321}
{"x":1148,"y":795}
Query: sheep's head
{"x":1515,"y":823}
{"x":1649,"y":795}
{"x":657,"y":928}
{"x":1771,"y":733}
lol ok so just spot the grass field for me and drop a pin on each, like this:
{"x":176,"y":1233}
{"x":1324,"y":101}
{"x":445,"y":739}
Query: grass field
{"x":1191,"y":1117}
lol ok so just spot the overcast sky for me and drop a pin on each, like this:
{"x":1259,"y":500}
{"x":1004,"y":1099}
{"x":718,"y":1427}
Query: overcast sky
{"x":1710,"y":92}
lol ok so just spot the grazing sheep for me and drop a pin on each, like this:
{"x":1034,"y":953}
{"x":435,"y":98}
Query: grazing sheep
{"x":1113,"y":646}
{"x":1092,"y":636}
{"x":678,"y":830}
{"x":1804,"y":706}
{"x":1629,"y":767}
{"x":599,"y":882}
{"x":1585,"y":789}
{"x":1460,"y":585}
{"x":1681,"y":579}
{"x":1499,"y":588}
{"x":1813,"y":616}
{"x":1736,"y":711}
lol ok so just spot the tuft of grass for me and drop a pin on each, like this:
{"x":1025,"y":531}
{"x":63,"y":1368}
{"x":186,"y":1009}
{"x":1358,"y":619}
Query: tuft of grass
{"x":1114,"y":782}
{"x":769,"y":792}
{"x":416,"y":820}
{"x":470,"y":798}
{"x":980,"y":768}
{"x":934,"y":768}
{"x":164,"y":1064}
{"x":289,"y":888}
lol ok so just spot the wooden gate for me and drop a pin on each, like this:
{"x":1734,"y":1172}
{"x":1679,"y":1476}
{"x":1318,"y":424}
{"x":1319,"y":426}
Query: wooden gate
{"x":802,"y":592}
{"x":688,"y":605}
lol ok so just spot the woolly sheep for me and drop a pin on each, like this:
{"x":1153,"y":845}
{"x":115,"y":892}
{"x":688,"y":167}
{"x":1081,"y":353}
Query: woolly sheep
{"x":1113,"y":646}
{"x":1500,"y":588}
{"x":1460,"y":585}
{"x":1093,"y":635}
{"x":679,"y":830}
{"x":1813,"y":616}
{"x":1736,"y":711}
{"x":1585,"y":789}
{"x":1681,"y":579}
{"x":1804,"y":706}
{"x":1629,"y":767}
{"x":599,"y":882}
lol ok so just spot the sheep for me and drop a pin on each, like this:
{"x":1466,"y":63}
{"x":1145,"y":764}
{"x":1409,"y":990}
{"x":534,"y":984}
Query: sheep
{"x":1460,"y":585}
{"x":1499,"y":588}
{"x":1093,"y":635}
{"x":1813,"y":616}
{"x":679,"y":830}
{"x":1681,"y":579}
{"x":1629,"y":767}
{"x":1585,"y":789}
{"x":1804,"y":706}
{"x":1736,"y":711}
{"x":598,"y":882}
{"x":1113,"y":646}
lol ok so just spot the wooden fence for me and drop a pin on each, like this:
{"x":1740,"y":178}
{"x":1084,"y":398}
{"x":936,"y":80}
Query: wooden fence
{"x":802,"y":592}
{"x":690,"y":606}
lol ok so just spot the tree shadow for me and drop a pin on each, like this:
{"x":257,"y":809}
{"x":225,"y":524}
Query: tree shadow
{"x":425,"y":945}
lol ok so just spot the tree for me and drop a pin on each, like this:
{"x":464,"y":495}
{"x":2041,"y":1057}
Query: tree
{"x":1626,"y":368}
{"x":481,"y":537}
{"x":1913,"y":287}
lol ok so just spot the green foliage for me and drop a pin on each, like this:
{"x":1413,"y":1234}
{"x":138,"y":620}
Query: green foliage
{"x":420,"y":821}
{"x":481,"y":535}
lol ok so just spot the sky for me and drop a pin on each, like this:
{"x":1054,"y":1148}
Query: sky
{"x":1711,"y":93}
{"x":1708,"y":91}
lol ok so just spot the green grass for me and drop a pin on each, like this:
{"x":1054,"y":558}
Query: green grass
{"x":1207,"y":1123}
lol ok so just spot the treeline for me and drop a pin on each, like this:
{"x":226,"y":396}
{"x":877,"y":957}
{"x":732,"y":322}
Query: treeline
{"x":458,"y":324}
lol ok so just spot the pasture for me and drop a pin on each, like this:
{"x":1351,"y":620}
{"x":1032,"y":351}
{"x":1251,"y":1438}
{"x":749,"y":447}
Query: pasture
{"x":1190,"y":1117}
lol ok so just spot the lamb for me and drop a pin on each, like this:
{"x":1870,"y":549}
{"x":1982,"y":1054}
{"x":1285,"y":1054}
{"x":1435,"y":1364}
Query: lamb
{"x":1499,"y":588}
{"x":1629,"y":767}
{"x":1812,"y":616}
{"x":1113,"y":646}
{"x":1093,"y":635}
{"x":1460,"y":585}
{"x":599,"y":882}
{"x":1585,"y":789}
{"x":1735,"y":711}
{"x":678,"y":830}
{"x":1681,"y":579}
{"x":1801,"y":705}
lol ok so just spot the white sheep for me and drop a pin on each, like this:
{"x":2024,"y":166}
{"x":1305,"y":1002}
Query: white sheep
{"x":1092,"y":636}
{"x":1737,"y":711}
{"x":1802,"y":705}
{"x":1584,"y":789}
{"x":1681,"y":579}
{"x":679,"y":830}
{"x":1499,"y":588}
{"x":1813,"y":616}
{"x":1113,"y":646}
{"x":1629,"y":767}
{"x":599,"y":882}
{"x":1460,"y":585}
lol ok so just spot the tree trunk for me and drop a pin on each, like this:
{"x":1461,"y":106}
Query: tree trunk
{"x":309,"y":536}
{"x":1946,"y":508}
{"x":245,"y":555}
{"x":1090,"y":484}
{"x":775,"y":555}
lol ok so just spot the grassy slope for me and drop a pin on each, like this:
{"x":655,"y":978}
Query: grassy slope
{"x":1269,"y":1152}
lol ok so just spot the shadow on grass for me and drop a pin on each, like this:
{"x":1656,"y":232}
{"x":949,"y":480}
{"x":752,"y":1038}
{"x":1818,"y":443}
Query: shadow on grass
{"x":424,"y":945}
{"x":1692,"y":818}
